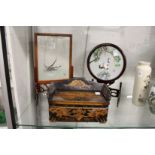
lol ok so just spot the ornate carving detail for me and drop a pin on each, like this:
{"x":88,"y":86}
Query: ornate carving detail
{"x":78,"y":83}
{"x":78,"y":114}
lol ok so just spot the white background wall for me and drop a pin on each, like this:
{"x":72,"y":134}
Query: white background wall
{"x":20,"y":46}
{"x":138,"y":43}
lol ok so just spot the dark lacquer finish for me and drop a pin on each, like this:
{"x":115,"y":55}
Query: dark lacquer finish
{"x":75,"y":100}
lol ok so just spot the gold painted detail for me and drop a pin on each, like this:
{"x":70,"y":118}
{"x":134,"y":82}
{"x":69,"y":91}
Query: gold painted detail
{"x":78,"y":83}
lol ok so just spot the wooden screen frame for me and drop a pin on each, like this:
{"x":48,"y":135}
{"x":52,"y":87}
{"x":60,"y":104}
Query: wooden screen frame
{"x":36,"y":57}
{"x":111,"y":81}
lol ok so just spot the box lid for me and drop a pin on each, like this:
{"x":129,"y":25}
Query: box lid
{"x":77,"y":92}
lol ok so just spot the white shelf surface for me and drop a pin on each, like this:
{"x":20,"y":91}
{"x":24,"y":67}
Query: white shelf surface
{"x":127,"y":115}
{"x":3,"y":127}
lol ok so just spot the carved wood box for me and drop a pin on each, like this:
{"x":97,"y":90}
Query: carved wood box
{"x":78,"y":100}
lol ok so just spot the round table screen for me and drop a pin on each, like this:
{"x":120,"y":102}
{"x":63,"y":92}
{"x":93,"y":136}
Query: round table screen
{"x":106,"y":62}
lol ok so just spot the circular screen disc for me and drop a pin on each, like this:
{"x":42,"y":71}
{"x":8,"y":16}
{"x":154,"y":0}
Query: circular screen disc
{"x":106,"y":63}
